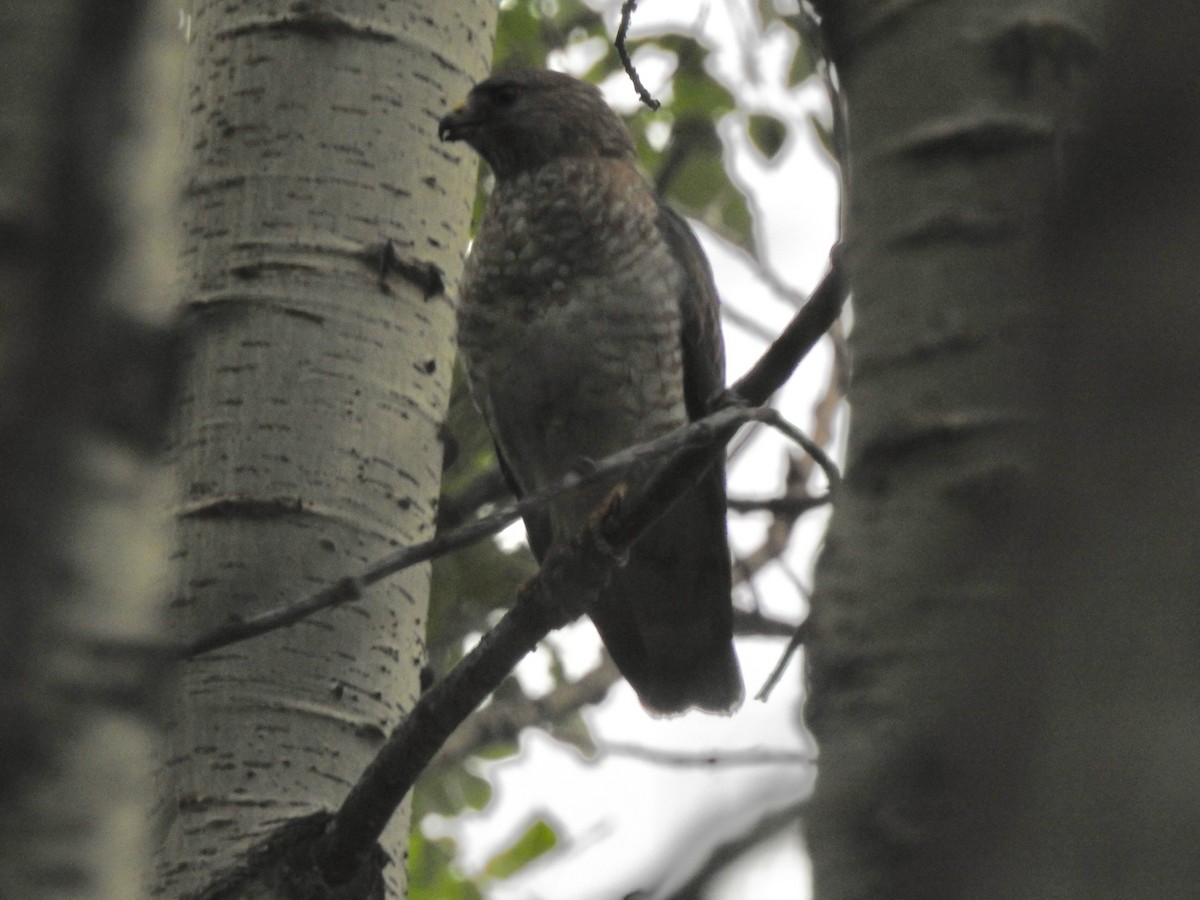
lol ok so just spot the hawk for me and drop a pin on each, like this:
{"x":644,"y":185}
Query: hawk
{"x":588,"y":323}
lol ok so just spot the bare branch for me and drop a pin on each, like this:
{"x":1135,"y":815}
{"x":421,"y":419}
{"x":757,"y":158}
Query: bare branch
{"x":776,"y":365}
{"x":771,"y":824}
{"x":488,"y":487}
{"x":799,"y":636}
{"x":787,"y":506}
{"x":701,"y":433}
{"x":748,"y":622}
{"x":562,"y":589}
{"x":779,"y":532}
{"x":503,"y":722}
{"x":644,"y":95}
{"x":773,"y":418}
{"x":752,"y":757}
{"x":746,"y":322}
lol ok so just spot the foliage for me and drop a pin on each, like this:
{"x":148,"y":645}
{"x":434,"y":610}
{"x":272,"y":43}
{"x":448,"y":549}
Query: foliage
{"x":433,"y":875}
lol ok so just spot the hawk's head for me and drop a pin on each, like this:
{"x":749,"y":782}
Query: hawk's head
{"x":519,"y":121}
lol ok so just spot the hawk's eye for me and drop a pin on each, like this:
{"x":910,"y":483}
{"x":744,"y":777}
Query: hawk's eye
{"x":504,"y":94}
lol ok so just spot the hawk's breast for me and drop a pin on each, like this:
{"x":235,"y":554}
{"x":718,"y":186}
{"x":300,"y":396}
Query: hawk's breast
{"x":569,"y":324}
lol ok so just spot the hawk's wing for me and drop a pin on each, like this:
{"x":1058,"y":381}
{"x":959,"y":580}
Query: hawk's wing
{"x":703,"y":350}
{"x":703,"y":355}
{"x":537,"y":523}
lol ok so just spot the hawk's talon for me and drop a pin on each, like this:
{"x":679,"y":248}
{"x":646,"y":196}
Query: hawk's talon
{"x":593,"y":531}
{"x":727,"y":398}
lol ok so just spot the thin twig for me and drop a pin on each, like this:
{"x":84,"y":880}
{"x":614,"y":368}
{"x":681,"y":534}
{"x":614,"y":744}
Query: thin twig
{"x":644,"y":95}
{"x":346,"y":590}
{"x":759,"y":624}
{"x":502,"y":722}
{"x":741,"y":320}
{"x":790,"y":507}
{"x":658,"y":756}
{"x":701,"y":433}
{"x":772,"y":823}
{"x":773,"y":418}
{"x":799,"y":636}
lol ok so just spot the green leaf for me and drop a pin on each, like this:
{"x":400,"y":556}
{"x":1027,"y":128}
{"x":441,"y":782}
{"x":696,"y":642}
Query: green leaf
{"x":802,"y":66}
{"x":519,"y":37}
{"x":695,"y":91}
{"x":693,"y":178}
{"x":529,"y":30}
{"x":767,"y":133}
{"x":825,"y":136}
{"x":499,"y":750}
{"x":468,"y":586}
{"x":538,"y":839}
{"x":450,"y":791}
{"x":574,"y":732}
{"x":431,"y":871}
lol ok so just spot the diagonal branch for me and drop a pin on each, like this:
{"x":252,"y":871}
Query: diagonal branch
{"x":644,"y":95}
{"x":501,"y":722}
{"x":752,"y":390}
{"x":561,"y":591}
{"x":722,"y":856}
{"x":701,"y":433}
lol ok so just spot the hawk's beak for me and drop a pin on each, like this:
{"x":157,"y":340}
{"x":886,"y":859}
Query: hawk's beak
{"x":452,"y":125}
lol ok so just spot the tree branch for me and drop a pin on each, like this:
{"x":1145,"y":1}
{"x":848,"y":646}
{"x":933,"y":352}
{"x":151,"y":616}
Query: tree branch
{"x":644,"y":95}
{"x":787,"y":506}
{"x":722,"y":856}
{"x":563,"y":588}
{"x":799,"y":636}
{"x":717,"y":758}
{"x":702,"y":433}
{"x":503,"y":722}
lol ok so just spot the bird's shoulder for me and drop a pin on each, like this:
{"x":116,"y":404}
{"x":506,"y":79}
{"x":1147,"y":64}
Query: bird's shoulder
{"x":699,"y":310}
{"x":575,"y":216}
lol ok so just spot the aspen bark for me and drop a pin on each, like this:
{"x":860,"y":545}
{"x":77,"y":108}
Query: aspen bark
{"x":324,"y":231}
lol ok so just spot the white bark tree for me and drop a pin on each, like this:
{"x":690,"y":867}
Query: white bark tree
{"x":325,"y":230}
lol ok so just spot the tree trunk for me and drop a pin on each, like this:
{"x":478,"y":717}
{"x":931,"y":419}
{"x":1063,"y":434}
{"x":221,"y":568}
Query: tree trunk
{"x":1108,"y":805}
{"x":959,"y":114}
{"x":84,"y":391}
{"x":321,"y":216}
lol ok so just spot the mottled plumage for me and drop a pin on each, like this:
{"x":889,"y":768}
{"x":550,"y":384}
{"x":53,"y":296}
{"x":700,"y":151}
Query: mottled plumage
{"x":588,"y":323}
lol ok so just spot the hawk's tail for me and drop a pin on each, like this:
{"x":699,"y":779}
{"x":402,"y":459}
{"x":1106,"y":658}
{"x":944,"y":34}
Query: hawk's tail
{"x":667,"y":617}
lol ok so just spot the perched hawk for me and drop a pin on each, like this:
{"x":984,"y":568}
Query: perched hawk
{"x":588,"y":323}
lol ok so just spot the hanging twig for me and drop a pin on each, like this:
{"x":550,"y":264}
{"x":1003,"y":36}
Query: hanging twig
{"x":644,"y":95}
{"x":799,"y":636}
